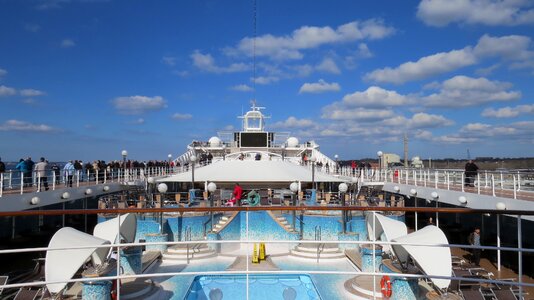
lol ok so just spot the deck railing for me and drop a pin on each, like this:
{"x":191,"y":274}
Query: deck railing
{"x":519,"y":283}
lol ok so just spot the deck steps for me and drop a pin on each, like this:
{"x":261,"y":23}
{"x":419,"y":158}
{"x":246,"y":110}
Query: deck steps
{"x":282,"y":221}
{"x":193,"y":252}
{"x":223,"y":221}
{"x":326,"y":251}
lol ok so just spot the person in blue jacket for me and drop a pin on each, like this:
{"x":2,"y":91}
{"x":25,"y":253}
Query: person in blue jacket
{"x":22,"y":167}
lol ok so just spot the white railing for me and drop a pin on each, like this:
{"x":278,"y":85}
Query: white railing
{"x":247,"y":241}
{"x":512,"y":181}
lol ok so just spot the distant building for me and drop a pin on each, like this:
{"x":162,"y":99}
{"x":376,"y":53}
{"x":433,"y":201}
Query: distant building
{"x":417,"y":162}
{"x":389,"y":159}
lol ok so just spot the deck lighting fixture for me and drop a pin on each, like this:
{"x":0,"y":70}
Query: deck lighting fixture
{"x":124,"y":153}
{"x":212,"y":187}
{"x":151,"y":180}
{"x":35,"y":200}
{"x":336,"y":158}
{"x":413,"y":192}
{"x":65,"y":195}
{"x":193,"y":159}
{"x":294,"y":187}
{"x":500,"y":206}
{"x":105,"y":188}
{"x":88,"y":192}
{"x":162,"y":188}
{"x":313,"y":159}
{"x":396,"y":189}
{"x":379,"y":154}
{"x":343,"y":187}
{"x":434,"y":195}
{"x":462,"y":199}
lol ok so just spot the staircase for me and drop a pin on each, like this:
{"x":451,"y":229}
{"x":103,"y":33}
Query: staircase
{"x":316,"y":250}
{"x":282,"y":221}
{"x":224,"y":221}
{"x":189,"y":252}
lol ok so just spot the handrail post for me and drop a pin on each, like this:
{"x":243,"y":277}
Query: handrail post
{"x":10,"y":179}
{"x":436,"y":177}
{"x":515,"y":190}
{"x":374,"y":254}
{"x":448,"y":181}
{"x":478,"y":183}
{"x":520,"y":256}
{"x":1,"y":183}
{"x":493,"y":185}
{"x":502,"y":182}
{"x":38,"y":182}
{"x":464,"y":180}
{"x":96,"y":176}
{"x":498,"y":242}
{"x":518,"y":181}
{"x":77,"y":178}
{"x":105,"y":175}
{"x":21,"y":182}
{"x":486,"y":178}
{"x":54,"y":181}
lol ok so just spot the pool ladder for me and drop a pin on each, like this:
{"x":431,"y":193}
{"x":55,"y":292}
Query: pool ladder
{"x":320,"y":246}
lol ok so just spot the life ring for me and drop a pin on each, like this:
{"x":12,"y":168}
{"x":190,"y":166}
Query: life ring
{"x":385,"y":286}
{"x":253,"y":198}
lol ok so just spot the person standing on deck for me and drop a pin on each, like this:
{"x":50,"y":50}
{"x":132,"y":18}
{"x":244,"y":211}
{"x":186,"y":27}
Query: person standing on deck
{"x":28,"y":175}
{"x":22,"y":167}
{"x":40,"y":172}
{"x":55,"y":169}
{"x":236,"y":195}
{"x":471,"y":171}
{"x":69,"y":171}
{"x":474,"y":240}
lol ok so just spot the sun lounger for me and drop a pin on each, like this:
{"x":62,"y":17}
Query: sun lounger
{"x":25,"y":294}
{"x":3,"y":281}
{"x":504,"y":294}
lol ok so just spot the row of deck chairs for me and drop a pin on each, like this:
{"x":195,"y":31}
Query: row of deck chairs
{"x":475,"y":290}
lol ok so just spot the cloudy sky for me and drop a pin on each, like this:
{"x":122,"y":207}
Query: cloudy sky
{"x":87,"y":78}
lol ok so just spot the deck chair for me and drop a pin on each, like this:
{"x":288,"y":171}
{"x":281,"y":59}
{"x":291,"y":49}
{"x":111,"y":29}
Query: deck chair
{"x":472,"y":295}
{"x":264,"y":197}
{"x":504,"y":294}
{"x":24,"y":294}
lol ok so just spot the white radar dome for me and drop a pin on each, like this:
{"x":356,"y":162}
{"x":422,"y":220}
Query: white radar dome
{"x":214,"y":141}
{"x":292,"y":142}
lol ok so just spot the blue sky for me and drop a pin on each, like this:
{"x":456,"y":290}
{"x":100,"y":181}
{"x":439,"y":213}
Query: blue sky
{"x":84,"y":79}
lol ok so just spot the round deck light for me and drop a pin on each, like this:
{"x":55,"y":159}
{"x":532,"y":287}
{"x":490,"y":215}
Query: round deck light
{"x":500,"y":206}
{"x":124,"y":153}
{"x":379,"y":153}
{"x":434,"y":195}
{"x":413,"y":192}
{"x":88,"y":191}
{"x":105,"y":188}
{"x":336,"y":156}
{"x":343,"y":187}
{"x":35,"y":200}
{"x":169,"y":156}
{"x":294,"y":187}
{"x":396,"y":189}
{"x":151,"y":180}
{"x":65,"y":195}
{"x":162,"y":188}
{"x":212,"y":187}
{"x":354,"y":180}
{"x":193,"y":158}
{"x":462,"y":199}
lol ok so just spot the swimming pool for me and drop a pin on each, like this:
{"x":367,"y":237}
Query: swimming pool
{"x":261,"y":287}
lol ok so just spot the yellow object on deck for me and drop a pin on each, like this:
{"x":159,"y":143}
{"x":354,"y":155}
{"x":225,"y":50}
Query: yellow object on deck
{"x":255,"y":258}
{"x":262,"y":251}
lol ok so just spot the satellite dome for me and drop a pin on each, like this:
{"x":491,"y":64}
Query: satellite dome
{"x":292,"y":142}
{"x":214,"y":141}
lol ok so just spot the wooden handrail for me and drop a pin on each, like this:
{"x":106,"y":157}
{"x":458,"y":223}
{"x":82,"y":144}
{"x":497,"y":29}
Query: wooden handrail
{"x":259,"y":208}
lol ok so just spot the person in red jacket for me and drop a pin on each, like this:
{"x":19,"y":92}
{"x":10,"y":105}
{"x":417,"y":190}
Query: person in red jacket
{"x":236,"y":195}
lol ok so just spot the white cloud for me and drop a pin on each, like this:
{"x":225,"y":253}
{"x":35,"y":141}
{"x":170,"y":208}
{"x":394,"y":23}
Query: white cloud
{"x":180,"y":117}
{"x":265,"y":79}
{"x":319,"y":87}
{"x":425,"y":67}
{"x":31,"y":93}
{"x":293,"y":122}
{"x":32,"y":27}
{"x":485,"y":12}
{"x":169,"y":60}
{"x":242,"y":88}
{"x":340,"y":113}
{"x":512,"y":48}
{"x":289,"y":47}
{"x":15,"y":125}
{"x":135,"y":105}
{"x":488,"y":70}
{"x":375,"y":97}
{"x":7,"y":91}
{"x":508,"y":112}
{"x":363,"y":51}
{"x":139,"y":121}
{"x":328,"y":65}
{"x":424,"y":120}
{"x":3,"y":72}
{"x":67,"y":43}
{"x":206,"y":62}
{"x":463,"y":91}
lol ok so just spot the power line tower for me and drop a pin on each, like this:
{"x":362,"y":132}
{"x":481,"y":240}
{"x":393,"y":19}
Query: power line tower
{"x":405,"y":150}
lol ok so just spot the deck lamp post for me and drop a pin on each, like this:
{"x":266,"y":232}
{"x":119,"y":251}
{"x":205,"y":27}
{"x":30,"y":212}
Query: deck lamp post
{"x":224,"y":151}
{"x":380,"y":154}
{"x":343,"y":189}
{"x":337,"y":164}
{"x":212,"y":187}
{"x":150,"y":187}
{"x":124,"y":153}
{"x":169,"y":165}
{"x":162,"y":189}
{"x":283,"y":152}
{"x":294,"y":187}
{"x":193,"y":159}
{"x":354,"y":183}
{"x":313,"y":159}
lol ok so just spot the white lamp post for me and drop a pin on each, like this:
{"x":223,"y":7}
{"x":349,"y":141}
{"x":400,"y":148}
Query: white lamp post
{"x":212,"y":187}
{"x":337,"y":165}
{"x":193,"y":159}
{"x":343,"y":187}
{"x":313,"y":159}
{"x":170,"y":158}
{"x":124,"y":153}
{"x":379,"y":154}
{"x":294,"y":187}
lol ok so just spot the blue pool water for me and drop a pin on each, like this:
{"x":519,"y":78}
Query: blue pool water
{"x":261,"y":287}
